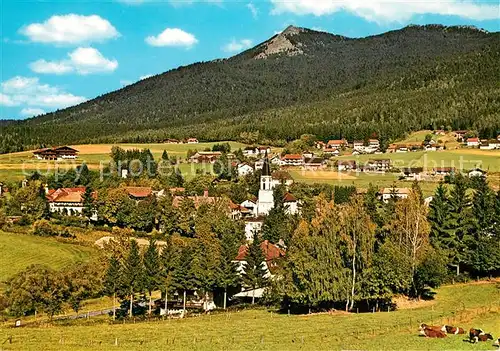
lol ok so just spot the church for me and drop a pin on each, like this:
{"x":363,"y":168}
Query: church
{"x":265,"y":202}
{"x":261,"y":206}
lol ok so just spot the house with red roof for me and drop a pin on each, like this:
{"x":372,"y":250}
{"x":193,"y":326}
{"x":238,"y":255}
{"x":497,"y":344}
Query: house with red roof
{"x":473,"y":142}
{"x":292,"y":160}
{"x":56,"y":153}
{"x":272,"y":255}
{"x":66,"y":201}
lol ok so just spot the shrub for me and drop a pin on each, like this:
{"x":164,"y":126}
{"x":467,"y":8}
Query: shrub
{"x":43,"y":227}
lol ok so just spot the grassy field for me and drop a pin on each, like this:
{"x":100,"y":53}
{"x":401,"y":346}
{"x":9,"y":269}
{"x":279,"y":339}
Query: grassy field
{"x":18,"y":251}
{"x":15,"y":166}
{"x":474,"y":305}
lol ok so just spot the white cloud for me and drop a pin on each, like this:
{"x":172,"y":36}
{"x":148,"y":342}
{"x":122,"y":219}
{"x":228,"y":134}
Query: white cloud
{"x":254,"y":10}
{"x":172,"y":37}
{"x":146,"y":76}
{"x":237,"y":45}
{"x":82,"y":61}
{"x":6,"y":100}
{"x":29,"y":91}
{"x":70,"y":29}
{"x":42,"y":66}
{"x":31,"y":111}
{"x":389,"y":10}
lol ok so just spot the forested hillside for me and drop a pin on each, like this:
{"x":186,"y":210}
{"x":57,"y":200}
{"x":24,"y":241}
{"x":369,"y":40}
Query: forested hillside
{"x":300,"y":81}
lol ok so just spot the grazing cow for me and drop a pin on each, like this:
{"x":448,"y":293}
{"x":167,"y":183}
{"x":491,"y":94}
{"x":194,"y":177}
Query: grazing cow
{"x":448,"y":329}
{"x":432,"y":333}
{"x":497,"y":343}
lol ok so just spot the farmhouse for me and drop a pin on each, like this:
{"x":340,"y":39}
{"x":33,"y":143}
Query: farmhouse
{"x":205,"y":157}
{"x":56,"y":153}
{"x":272,"y":253}
{"x":66,"y":201}
{"x":382,"y":165}
{"x":282,"y":177}
{"x":256,"y":151}
{"x":292,"y":160}
{"x":244,"y":169}
{"x":490,"y":144}
{"x":374,"y":143}
{"x":413,"y":173}
{"x":314,"y":163}
{"x":192,"y":141}
{"x":394,"y":193}
{"x":346,"y":165}
{"x":460,"y":134}
{"x":234,"y":211}
{"x":358,"y":145}
{"x":335,"y":145}
{"x":473,"y":142}
{"x":443,"y":171}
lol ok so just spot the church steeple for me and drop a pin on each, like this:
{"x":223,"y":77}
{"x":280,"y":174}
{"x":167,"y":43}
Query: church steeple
{"x":266,"y":169}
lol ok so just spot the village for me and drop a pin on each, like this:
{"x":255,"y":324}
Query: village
{"x":249,"y":191}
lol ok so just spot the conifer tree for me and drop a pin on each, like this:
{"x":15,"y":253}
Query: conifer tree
{"x":227,"y":272}
{"x":460,"y":221}
{"x":254,"y":275}
{"x":164,"y":155}
{"x":112,"y":281}
{"x":440,"y":217}
{"x":133,"y":274}
{"x":152,"y":269}
{"x":169,"y":260}
{"x":484,"y":247}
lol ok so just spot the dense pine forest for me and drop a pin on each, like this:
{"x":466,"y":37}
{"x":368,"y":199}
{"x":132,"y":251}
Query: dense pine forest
{"x":331,"y":86}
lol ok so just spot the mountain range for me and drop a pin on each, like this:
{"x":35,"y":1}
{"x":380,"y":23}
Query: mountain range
{"x":299,"y":81}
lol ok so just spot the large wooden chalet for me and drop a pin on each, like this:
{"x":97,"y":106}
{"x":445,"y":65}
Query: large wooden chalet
{"x":56,"y":153}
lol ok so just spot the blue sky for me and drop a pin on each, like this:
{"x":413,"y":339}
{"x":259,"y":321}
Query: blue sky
{"x":59,"y":53}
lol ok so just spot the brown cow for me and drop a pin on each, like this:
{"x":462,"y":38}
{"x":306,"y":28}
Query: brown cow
{"x":484,"y":337}
{"x":476,"y":335}
{"x":448,"y":329}
{"x":432,"y":333}
{"x":431,"y":327}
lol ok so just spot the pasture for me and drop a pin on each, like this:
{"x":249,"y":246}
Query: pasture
{"x":19,"y":251}
{"x":466,"y":305}
{"x":16,"y":166}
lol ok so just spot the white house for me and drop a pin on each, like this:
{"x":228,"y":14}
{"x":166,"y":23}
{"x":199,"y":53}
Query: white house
{"x":346,"y":165}
{"x":291,"y":204}
{"x":272,"y":253}
{"x":67,"y":201}
{"x":374,"y":143}
{"x":253,"y":226}
{"x":244,"y":169}
{"x":473,"y":142}
{"x":477,"y":173}
{"x":397,"y":193}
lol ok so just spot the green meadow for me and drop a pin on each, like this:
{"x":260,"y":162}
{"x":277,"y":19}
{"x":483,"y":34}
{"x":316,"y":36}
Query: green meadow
{"x":18,"y":251}
{"x":473,"y":305}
